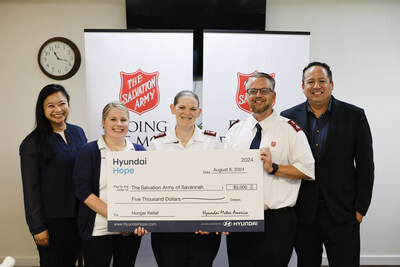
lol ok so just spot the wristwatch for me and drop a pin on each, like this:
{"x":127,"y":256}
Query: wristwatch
{"x":275,"y":168}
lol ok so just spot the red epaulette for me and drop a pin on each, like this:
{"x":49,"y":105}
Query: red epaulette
{"x":236,"y":121}
{"x":207,"y":132}
{"x":295,"y":125}
{"x":160,"y":135}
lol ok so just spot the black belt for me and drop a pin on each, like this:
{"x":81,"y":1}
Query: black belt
{"x":275,"y":211}
{"x":321,"y":203}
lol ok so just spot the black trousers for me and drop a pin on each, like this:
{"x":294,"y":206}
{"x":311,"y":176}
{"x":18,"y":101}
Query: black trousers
{"x":341,"y":240}
{"x":99,"y":251}
{"x":185,"y":249}
{"x":64,"y":243}
{"x":271,"y":248}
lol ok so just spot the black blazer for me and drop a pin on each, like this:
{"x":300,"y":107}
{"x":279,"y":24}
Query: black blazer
{"x":345,"y":171}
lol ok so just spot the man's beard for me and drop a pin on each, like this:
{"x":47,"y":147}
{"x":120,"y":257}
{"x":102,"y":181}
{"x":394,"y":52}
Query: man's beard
{"x":258,"y":109}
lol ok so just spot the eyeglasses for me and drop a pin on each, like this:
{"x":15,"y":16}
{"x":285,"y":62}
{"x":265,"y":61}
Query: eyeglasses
{"x":263,"y":91}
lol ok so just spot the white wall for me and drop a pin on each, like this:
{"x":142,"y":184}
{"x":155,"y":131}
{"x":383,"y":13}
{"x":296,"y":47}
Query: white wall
{"x":24,"y":26}
{"x":360,"y":39}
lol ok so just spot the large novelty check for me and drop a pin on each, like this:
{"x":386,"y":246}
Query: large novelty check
{"x":177,"y":191}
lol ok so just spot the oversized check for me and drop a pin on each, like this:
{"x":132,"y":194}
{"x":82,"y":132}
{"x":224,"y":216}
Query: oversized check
{"x":185,"y":191}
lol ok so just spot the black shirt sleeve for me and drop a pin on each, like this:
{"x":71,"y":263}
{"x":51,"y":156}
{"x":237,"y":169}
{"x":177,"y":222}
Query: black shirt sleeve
{"x":30,"y":171}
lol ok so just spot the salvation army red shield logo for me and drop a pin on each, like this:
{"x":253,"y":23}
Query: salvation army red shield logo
{"x":139,"y":91}
{"x":241,"y":98}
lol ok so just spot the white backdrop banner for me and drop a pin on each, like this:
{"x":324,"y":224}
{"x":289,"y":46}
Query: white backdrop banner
{"x":229,"y":60}
{"x":144,"y":70}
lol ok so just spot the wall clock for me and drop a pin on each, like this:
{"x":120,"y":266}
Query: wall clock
{"x":59,"y":58}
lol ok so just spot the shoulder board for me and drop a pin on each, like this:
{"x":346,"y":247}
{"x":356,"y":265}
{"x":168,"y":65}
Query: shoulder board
{"x":236,"y":121}
{"x":207,"y":132}
{"x":295,"y":125}
{"x":160,"y":135}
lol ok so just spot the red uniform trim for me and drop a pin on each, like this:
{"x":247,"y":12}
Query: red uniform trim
{"x":207,"y":132}
{"x":295,"y":125}
{"x":160,"y":135}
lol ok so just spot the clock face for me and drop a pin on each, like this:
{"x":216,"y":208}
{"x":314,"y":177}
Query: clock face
{"x":59,"y":58}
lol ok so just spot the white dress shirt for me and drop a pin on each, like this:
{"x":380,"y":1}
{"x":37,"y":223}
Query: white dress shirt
{"x":201,"y":140}
{"x":288,"y":145}
{"x":100,"y":223}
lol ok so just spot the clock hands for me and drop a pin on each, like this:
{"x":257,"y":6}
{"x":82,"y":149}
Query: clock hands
{"x":56,"y":55}
{"x":60,"y":58}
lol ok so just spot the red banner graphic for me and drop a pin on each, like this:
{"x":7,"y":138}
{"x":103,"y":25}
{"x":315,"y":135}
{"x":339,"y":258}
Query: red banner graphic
{"x":139,"y":91}
{"x":241,"y":97}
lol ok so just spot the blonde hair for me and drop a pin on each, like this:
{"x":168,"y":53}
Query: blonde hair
{"x":111,"y":105}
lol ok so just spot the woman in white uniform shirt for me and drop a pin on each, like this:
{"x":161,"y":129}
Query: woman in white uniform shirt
{"x":185,"y":249}
{"x":98,"y":244}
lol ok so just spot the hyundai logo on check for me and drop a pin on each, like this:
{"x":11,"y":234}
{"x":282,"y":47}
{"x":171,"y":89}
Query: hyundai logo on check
{"x":227,"y":224}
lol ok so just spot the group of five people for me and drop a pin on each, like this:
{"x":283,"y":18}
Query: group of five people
{"x":318,"y":179}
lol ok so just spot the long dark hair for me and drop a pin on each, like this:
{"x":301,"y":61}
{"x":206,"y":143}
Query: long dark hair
{"x":43,"y":129}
